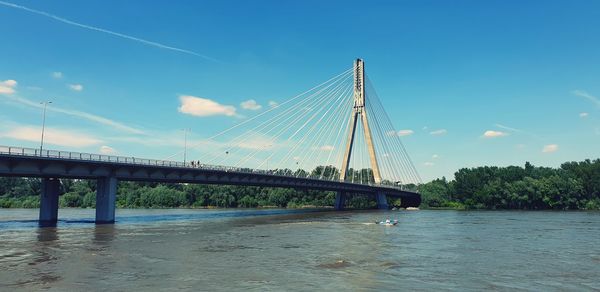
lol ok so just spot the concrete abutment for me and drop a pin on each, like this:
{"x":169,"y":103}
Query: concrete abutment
{"x":49,"y":202}
{"x":381,"y":201}
{"x":340,"y":200}
{"x":106,"y":197}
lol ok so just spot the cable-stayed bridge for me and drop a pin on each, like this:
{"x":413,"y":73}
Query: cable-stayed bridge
{"x":335,"y":136}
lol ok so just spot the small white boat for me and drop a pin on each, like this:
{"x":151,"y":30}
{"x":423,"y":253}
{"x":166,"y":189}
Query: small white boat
{"x":388,"y":223}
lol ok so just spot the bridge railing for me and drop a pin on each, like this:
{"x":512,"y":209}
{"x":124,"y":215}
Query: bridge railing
{"x":31,"y":152}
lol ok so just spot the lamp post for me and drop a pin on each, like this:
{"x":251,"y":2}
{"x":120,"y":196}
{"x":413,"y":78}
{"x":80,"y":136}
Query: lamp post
{"x":185,"y":131}
{"x":265,"y":147}
{"x":45,"y":103}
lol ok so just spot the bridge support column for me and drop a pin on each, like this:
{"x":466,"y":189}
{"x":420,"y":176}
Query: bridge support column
{"x":106,"y":197}
{"x":49,"y":202}
{"x":381,"y":201}
{"x":340,"y":200}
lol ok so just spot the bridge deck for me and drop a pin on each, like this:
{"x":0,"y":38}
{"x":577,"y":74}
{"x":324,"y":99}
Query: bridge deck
{"x":17,"y":161}
{"x":108,"y":170}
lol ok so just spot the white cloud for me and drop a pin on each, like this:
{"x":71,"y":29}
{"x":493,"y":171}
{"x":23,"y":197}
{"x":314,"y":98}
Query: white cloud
{"x":10,"y":83}
{"x":57,"y":75}
{"x":391,"y":133}
{"x":438,"y":132}
{"x":405,"y":132}
{"x":550,"y":148}
{"x":152,"y":140}
{"x":435,"y":156}
{"x":258,"y":142}
{"x":583,"y":115}
{"x":52,"y":136}
{"x":83,"y":115}
{"x":273,"y":104}
{"x":494,"y":134}
{"x":326,"y":148}
{"x":203,"y":107}
{"x":250,"y":104}
{"x":587,"y":96}
{"x":253,"y":141}
{"x":8,"y":86}
{"x":429,"y":163}
{"x":107,"y":150}
{"x":76,"y":87}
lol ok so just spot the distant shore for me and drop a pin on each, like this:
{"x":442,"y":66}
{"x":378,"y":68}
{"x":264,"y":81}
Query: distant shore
{"x":572,"y":186}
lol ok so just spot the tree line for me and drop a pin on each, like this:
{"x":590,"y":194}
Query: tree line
{"x":24,"y":193}
{"x":572,"y":186}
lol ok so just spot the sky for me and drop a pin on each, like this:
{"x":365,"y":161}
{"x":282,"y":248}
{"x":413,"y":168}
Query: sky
{"x":466,"y":83}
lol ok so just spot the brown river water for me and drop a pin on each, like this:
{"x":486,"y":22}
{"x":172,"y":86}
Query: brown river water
{"x":291,"y":250}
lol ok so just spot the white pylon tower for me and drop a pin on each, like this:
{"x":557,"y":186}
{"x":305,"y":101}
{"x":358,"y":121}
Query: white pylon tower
{"x":359,"y":110}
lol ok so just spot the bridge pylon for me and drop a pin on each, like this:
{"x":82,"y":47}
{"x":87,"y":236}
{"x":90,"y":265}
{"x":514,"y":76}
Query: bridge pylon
{"x":359,"y":114}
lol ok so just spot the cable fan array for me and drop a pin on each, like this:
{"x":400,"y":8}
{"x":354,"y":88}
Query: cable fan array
{"x":392,"y":156}
{"x":306,"y":135}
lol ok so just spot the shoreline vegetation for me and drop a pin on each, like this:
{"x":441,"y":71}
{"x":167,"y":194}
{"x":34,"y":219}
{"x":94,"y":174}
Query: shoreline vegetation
{"x":572,"y":186}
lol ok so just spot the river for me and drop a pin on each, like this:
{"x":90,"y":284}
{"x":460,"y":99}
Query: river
{"x":274,"y":250}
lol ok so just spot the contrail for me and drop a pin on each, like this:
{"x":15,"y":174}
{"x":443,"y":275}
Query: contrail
{"x":587,"y":96}
{"x":508,"y":128}
{"x":80,"y":114}
{"x":515,"y":130}
{"x":143,"y":41}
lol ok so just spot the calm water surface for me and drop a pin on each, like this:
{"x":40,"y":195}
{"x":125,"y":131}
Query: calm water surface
{"x":298,"y":250}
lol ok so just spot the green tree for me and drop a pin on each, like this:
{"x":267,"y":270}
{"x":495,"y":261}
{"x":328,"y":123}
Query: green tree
{"x":435,"y":193}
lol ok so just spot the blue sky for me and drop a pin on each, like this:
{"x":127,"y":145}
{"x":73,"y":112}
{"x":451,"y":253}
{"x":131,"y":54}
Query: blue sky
{"x":524,"y":72}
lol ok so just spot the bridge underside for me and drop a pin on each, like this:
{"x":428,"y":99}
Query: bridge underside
{"x":109,"y":173}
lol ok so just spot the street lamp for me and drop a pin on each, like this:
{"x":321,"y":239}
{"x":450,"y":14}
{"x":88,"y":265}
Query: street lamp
{"x":185,"y":131}
{"x":45,"y":103}
{"x":265,"y":147}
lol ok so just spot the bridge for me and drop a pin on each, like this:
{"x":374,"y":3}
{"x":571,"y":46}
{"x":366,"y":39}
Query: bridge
{"x":304,"y":132}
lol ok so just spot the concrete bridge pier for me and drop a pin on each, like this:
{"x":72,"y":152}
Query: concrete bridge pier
{"x":340,"y":200}
{"x":381,"y":201}
{"x":106,"y":197}
{"x":49,"y":202}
